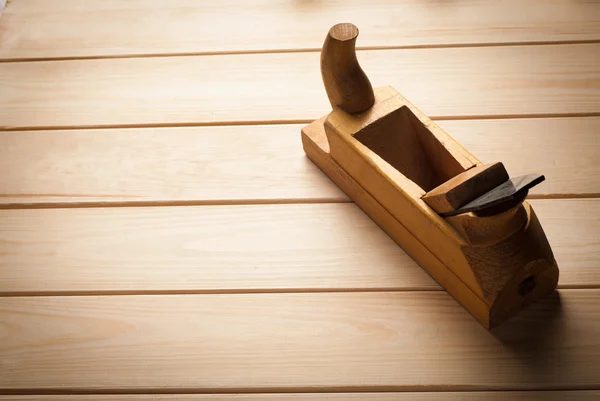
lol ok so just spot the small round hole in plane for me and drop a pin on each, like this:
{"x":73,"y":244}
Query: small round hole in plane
{"x":526,"y":286}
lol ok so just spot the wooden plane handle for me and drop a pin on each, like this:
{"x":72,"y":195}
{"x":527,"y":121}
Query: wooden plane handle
{"x":347,"y":85}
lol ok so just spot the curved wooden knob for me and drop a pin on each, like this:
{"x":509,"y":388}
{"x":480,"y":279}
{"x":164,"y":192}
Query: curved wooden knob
{"x":346,"y":83}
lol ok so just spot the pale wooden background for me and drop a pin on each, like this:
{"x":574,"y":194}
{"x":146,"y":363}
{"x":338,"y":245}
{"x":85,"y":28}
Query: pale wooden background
{"x":162,"y":232}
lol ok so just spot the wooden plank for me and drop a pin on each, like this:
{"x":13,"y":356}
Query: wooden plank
{"x":443,"y":83}
{"x":318,"y":247}
{"x":590,"y":395}
{"x":244,"y":164}
{"x":38,"y":28}
{"x":201,"y":164}
{"x":287,"y":342}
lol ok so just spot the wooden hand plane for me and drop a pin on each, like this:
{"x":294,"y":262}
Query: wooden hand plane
{"x":467,"y":224}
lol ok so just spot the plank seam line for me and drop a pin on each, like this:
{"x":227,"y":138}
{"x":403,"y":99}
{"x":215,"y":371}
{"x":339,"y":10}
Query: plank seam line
{"x":284,"y":122}
{"x":75,"y":204}
{"x":299,"y":50}
{"x":308,"y":389}
{"x":249,"y":291}
{"x":167,"y":203}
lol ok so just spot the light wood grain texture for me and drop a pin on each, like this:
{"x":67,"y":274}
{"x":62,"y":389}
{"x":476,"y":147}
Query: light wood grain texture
{"x":259,"y":163}
{"x":62,"y":28}
{"x":260,"y":342}
{"x":202,"y":164}
{"x":589,"y":395}
{"x":244,"y":248}
{"x":200,"y":248}
{"x":443,"y":83}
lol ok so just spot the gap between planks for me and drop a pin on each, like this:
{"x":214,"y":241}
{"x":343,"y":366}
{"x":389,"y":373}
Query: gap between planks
{"x":501,"y":395}
{"x":429,"y":393}
{"x":233,"y":123}
{"x":573,"y":395}
{"x":299,"y":50}
{"x":125,"y":293}
{"x":218,"y":202}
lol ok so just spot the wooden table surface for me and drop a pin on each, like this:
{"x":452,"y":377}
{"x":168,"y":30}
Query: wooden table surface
{"x":162,"y":232}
